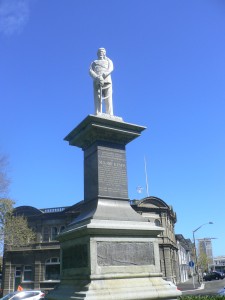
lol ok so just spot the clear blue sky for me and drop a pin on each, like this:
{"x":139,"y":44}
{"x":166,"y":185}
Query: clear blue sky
{"x":169,"y":76}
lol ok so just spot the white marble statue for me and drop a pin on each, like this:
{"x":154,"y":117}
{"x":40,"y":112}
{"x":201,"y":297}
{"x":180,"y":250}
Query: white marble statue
{"x":100,"y":71}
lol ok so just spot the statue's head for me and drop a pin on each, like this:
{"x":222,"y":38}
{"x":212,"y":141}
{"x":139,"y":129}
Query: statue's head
{"x":101,"y":53}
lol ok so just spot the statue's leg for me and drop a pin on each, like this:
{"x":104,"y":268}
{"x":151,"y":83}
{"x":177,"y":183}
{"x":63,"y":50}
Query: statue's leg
{"x":108,"y":100}
{"x":97,"y":99}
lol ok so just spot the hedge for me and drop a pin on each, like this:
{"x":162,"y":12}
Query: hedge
{"x":203,"y":297}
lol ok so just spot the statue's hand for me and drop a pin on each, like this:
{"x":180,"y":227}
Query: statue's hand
{"x":101,"y":80}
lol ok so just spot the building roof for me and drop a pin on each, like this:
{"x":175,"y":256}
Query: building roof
{"x":153,"y":204}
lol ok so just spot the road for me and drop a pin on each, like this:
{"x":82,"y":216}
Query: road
{"x":211,"y":288}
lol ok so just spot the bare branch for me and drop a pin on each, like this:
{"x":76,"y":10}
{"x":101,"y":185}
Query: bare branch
{"x":4,"y":181}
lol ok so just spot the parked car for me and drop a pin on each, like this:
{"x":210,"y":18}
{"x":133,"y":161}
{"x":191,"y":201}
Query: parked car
{"x":221,"y":292}
{"x":213,"y":275}
{"x":28,"y":295}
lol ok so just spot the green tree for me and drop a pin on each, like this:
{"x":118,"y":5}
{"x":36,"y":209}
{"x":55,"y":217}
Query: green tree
{"x":14,"y":230}
{"x":17,"y":232}
{"x":203,"y":260}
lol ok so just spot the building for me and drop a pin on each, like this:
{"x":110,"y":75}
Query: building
{"x":185,"y":255}
{"x":37,"y":266}
{"x":158,"y":212}
{"x":219,"y":263}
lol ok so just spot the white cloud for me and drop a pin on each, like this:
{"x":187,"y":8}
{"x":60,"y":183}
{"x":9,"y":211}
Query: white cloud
{"x":14,"y":15}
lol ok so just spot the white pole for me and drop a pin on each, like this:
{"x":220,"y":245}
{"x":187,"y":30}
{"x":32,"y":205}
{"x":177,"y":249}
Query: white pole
{"x":192,"y":271}
{"x":146,"y":177}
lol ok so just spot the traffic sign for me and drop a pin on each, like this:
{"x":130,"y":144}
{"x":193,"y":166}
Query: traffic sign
{"x":191,"y":264}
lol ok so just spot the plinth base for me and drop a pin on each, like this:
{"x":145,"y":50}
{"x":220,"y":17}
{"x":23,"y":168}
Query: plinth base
{"x":116,"y":289}
{"x":111,"y":260}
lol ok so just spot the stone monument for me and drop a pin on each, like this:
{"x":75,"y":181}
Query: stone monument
{"x":109,"y":252}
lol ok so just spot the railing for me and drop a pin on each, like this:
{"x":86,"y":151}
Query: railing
{"x":53,"y":209}
{"x":35,"y":246}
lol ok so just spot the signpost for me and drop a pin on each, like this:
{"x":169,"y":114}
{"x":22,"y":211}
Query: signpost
{"x":191,"y":265}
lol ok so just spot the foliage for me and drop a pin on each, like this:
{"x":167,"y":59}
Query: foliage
{"x":202,"y":297}
{"x":17,"y":233}
{"x":14,"y":230}
{"x":4,"y":181}
{"x":203,"y":262}
{"x":6,"y":209}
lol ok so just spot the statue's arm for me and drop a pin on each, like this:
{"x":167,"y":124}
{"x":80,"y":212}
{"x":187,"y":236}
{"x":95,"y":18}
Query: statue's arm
{"x":110,"y":68}
{"x":91,"y":72}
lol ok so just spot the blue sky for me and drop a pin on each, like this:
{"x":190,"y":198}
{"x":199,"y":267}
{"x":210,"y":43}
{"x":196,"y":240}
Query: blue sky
{"x":169,"y":59}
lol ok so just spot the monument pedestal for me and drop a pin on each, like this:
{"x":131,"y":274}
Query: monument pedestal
{"x":109,"y":251}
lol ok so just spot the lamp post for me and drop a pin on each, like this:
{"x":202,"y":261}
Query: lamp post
{"x":195,"y":252}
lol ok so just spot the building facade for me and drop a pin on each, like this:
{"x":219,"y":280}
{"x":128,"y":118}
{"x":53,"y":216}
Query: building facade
{"x":185,"y":255}
{"x":37,"y":266}
{"x":219,"y":263}
{"x":161,"y":214}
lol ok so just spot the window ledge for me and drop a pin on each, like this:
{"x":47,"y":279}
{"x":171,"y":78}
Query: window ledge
{"x":46,"y":281}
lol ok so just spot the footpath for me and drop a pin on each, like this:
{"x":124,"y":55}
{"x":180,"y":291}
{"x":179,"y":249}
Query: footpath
{"x":188,"y":285}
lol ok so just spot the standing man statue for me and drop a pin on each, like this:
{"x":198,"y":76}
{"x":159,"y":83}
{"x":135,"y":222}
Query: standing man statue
{"x":100,"y":71}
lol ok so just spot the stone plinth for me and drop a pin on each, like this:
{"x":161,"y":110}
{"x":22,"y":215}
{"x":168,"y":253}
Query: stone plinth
{"x":103,"y":141}
{"x":109,"y":251}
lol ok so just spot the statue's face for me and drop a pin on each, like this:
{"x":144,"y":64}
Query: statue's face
{"x":101,"y":53}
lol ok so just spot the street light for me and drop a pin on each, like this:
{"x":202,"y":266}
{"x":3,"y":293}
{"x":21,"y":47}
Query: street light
{"x":198,"y":229}
{"x":195,"y":254}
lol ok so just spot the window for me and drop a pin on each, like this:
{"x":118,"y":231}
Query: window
{"x":52,"y":269}
{"x":18,"y":272}
{"x":18,"y":276}
{"x":157,"y":222}
{"x":27,"y":273}
{"x":46,"y":234}
{"x":50,"y":233}
{"x":54,"y":233}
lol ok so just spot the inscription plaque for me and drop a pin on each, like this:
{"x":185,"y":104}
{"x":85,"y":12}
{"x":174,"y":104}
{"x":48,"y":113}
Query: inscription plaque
{"x":75,"y":257}
{"x":112,"y":173}
{"x":125,"y":253}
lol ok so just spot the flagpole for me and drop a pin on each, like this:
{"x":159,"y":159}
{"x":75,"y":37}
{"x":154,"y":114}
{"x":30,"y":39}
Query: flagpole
{"x":146,"y":177}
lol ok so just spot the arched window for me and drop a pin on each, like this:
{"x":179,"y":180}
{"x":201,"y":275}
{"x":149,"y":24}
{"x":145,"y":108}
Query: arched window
{"x":52,"y":269}
{"x":157,"y":222}
{"x":54,"y":233}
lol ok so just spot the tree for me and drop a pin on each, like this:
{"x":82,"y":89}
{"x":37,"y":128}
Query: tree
{"x":203,"y":262}
{"x":17,"y":232}
{"x":4,"y":181}
{"x":14,"y":230}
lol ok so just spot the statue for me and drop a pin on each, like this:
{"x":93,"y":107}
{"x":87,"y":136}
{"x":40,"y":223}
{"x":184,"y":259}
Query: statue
{"x":100,"y":71}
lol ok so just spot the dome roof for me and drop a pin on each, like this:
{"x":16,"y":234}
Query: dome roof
{"x":27,"y":211}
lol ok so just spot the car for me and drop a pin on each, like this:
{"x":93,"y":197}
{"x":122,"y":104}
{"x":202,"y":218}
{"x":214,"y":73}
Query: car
{"x":28,"y":295}
{"x":213,"y":275}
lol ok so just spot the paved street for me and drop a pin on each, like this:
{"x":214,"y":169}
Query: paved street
{"x":206,"y":288}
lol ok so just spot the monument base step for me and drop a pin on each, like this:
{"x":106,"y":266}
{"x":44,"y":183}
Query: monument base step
{"x":115,"y":289}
